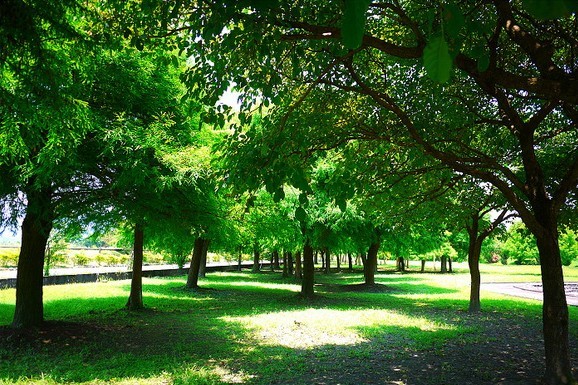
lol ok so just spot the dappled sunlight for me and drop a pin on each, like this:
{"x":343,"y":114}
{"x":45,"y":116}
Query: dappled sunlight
{"x":265,"y":285}
{"x":304,"y":329}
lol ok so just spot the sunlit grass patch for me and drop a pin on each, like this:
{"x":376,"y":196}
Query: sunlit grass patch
{"x":304,"y":329}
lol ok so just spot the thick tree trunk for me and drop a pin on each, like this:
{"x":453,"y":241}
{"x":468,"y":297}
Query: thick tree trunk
{"x":555,"y":308}
{"x":400,"y":261}
{"x":36,"y":227}
{"x":193,"y":277}
{"x":298,"y":270}
{"x":444,"y":264}
{"x":370,"y":263}
{"x":308,"y":282}
{"x":203,"y":265}
{"x":256,"y":260}
{"x":135,"y":298}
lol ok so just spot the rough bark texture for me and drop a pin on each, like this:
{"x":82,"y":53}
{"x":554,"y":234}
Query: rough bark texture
{"x":36,"y":227}
{"x":555,"y":310}
{"x":135,"y":298}
{"x":308,"y":282}
{"x":193,"y":277}
{"x":370,"y":263}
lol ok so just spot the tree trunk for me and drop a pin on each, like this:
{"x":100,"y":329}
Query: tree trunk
{"x":370,"y":263}
{"x":327,"y":261}
{"x":290,"y":263}
{"x":422,"y":265}
{"x":400,"y":264}
{"x":36,"y":227}
{"x":444,"y":264}
{"x":256,"y":260}
{"x":203,"y":264}
{"x":339,"y":262}
{"x":308,"y":282}
{"x":285,"y":271}
{"x":135,"y":298}
{"x":298,"y":270}
{"x":193,"y":277}
{"x":555,"y":308}
{"x":450,"y":267}
{"x":474,"y":251}
{"x":240,"y":260}
{"x":276,"y":262}
{"x":350,"y":259}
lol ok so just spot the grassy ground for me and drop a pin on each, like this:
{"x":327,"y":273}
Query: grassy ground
{"x":254,"y":329}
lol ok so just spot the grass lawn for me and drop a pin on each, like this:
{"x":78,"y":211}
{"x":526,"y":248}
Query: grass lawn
{"x":254,"y":329}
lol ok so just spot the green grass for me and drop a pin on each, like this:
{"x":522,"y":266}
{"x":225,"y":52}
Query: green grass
{"x":249,"y":328}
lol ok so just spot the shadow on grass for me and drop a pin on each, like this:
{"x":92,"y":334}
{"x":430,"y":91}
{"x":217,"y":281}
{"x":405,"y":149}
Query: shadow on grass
{"x":209,"y":328}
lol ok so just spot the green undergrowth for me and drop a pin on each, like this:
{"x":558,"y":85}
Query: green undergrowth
{"x":242,"y":328}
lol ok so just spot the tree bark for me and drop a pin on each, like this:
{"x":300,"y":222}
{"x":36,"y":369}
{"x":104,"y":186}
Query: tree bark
{"x":444,"y":264}
{"x":240,"y":260}
{"x":327,"y":261}
{"x":308,"y":282}
{"x":256,"y":260}
{"x":555,"y":308}
{"x":370,"y":263}
{"x":203,"y":264}
{"x":193,"y":277}
{"x":36,"y":227}
{"x":298,"y":270}
{"x":285,"y":270}
{"x":350,"y":260}
{"x":422,"y":265}
{"x":289,"y":263}
{"x":474,"y":251}
{"x":135,"y":301}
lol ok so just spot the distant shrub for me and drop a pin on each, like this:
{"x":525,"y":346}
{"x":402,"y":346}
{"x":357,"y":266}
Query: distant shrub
{"x":80,"y":259}
{"x":153,"y":258}
{"x":9,"y":257}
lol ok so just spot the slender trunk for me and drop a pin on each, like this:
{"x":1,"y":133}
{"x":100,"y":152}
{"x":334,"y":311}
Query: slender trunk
{"x":285,"y":271}
{"x":308,"y":282}
{"x":272,"y":264}
{"x":327,"y":261}
{"x":474,"y":251}
{"x":240,"y":259}
{"x":422,"y":265}
{"x":193,"y":277}
{"x":450,"y":267}
{"x":298,"y":270}
{"x":36,"y":227}
{"x":290,"y":263}
{"x":371,"y":263}
{"x":203,"y":264}
{"x":350,"y":259}
{"x":555,"y":308}
{"x":256,"y":260}
{"x":339,"y":262}
{"x":135,"y":298}
{"x":276,"y":261}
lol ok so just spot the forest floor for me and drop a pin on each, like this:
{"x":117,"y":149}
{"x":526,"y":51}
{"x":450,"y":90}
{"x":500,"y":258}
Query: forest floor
{"x":253,"y":329}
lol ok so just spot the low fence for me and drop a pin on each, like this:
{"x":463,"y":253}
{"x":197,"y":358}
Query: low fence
{"x":119,"y":275}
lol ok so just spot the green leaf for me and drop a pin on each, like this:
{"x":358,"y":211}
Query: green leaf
{"x":300,"y":214}
{"x":550,"y":9}
{"x":353,"y":22}
{"x":453,"y":19}
{"x":437,"y":60}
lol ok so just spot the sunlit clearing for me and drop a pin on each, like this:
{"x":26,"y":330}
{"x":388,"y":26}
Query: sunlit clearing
{"x":316,"y":327}
{"x":264,"y":285}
